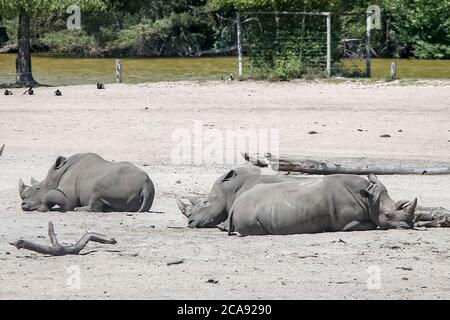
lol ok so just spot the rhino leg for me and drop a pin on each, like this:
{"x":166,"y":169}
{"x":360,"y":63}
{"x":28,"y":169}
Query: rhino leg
{"x":95,"y":205}
{"x":223,"y":226}
{"x":360,"y":226}
{"x":55,"y":198}
{"x":83,"y":209}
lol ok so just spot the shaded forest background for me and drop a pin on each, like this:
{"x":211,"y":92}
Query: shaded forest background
{"x":410,"y":28}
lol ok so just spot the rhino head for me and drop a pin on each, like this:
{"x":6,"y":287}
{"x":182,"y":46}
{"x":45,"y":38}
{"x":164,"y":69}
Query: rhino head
{"x":385,"y":212}
{"x":210,"y":212}
{"x":33,"y":195}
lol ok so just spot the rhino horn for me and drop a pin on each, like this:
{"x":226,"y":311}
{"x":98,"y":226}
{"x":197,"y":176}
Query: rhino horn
{"x":183,"y":207}
{"x":411,"y":208}
{"x":22,"y":186}
{"x":194,"y":201}
{"x":33,"y":181}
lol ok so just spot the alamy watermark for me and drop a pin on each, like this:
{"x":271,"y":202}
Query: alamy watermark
{"x":204,"y":144}
{"x":74,"y":20}
{"x":374,"y":279}
{"x":73,"y":282}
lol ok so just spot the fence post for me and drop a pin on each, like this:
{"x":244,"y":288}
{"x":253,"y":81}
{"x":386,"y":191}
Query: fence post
{"x":368,"y":47}
{"x":239,"y":45}
{"x":328,"y":71}
{"x":393,"y":71}
{"x":119,"y":71}
{"x":373,"y":22}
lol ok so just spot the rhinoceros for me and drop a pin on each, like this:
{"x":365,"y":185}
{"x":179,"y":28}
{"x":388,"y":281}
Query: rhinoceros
{"x":87,"y":182}
{"x":228,"y":187}
{"x":330,"y":203}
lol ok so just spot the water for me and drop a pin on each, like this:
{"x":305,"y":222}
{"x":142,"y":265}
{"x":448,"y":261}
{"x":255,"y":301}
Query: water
{"x":69,"y":71}
{"x":53,"y":70}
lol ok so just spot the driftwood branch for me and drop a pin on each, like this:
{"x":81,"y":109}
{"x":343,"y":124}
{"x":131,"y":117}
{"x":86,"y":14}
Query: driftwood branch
{"x":310,"y":166}
{"x":1,"y":149}
{"x":9,"y":48}
{"x":432,"y":217}
{"x":59,"y":250}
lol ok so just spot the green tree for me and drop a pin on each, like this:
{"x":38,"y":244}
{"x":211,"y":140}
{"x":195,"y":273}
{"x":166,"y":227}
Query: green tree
{"x":26,"y":10}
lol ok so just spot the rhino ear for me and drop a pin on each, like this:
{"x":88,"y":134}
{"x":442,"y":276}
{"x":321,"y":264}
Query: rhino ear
{"x":22,"y":186}
{"x":59,"y":162}
{"x":33,"y":181}
{"x":194,"y":201}
{"x":373,"y":178}
{"x":230,"y":175}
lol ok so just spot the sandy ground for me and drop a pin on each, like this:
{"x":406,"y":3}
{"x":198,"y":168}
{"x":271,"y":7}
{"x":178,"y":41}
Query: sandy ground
{"x":137,"y":123}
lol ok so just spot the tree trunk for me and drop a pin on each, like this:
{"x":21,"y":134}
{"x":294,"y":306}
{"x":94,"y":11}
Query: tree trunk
{"x":24,"y":74}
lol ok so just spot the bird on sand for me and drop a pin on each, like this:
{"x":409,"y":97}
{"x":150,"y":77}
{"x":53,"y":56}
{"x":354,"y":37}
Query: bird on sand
{"x":58,"y":93}
{"x":229,"y":78}
{"x":8,"y":93}
{"x":100,"y":85}
{"x":29,"y":91}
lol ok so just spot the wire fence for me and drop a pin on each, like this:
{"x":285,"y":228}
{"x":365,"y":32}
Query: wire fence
{"x":281,"y":45}
{"x":284,"y":45}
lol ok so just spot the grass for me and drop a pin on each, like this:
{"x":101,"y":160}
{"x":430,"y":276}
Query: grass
{"x":69,"y":71}
{"x":406,"y":68}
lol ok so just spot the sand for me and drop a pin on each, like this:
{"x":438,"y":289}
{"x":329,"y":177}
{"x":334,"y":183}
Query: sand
{"x":141,"y":124}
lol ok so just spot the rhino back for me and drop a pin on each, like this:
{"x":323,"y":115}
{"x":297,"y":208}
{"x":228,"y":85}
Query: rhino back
{"x":311,"y":206}
{"x":257,"y":179}
{"x":91,"y":174}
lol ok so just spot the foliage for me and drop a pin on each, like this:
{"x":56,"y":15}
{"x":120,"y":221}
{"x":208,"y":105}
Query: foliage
{"x":284,"y":46}
{"x":177,"y":34}
{"x":11,"y":8}
{"x":76,"y":42}
{"x":410,"y":28}
{"x":426,"y":50}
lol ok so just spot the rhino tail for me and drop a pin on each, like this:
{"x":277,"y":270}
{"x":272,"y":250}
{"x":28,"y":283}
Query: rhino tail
{"x":147,"y":195}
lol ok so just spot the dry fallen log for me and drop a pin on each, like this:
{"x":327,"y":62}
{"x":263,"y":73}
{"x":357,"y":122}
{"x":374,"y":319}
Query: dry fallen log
{"x":310,"y":166}
{"x":59,"y":250}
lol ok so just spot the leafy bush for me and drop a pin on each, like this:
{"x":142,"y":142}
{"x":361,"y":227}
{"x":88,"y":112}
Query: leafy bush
{"x":73,"y":42}
{"x":425,"y":50}
{"x":176,"y":35}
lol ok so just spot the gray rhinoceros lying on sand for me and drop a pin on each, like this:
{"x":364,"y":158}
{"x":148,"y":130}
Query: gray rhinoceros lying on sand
{"x":331,"y":203}
{"x":228,"y":187}
{"x":87,"y":182}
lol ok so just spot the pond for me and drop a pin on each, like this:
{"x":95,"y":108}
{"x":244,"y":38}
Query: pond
{"x":53,"y":70}
{"x":68,"y":71}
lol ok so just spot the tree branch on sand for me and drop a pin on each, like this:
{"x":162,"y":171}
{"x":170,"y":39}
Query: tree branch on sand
{"x":432,"y":217}
{"x":1,"y":149}
{"x":59,"y":250}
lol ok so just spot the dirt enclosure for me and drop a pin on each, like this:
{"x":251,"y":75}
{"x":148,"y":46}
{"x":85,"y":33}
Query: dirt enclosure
{"x":137,"y":122}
